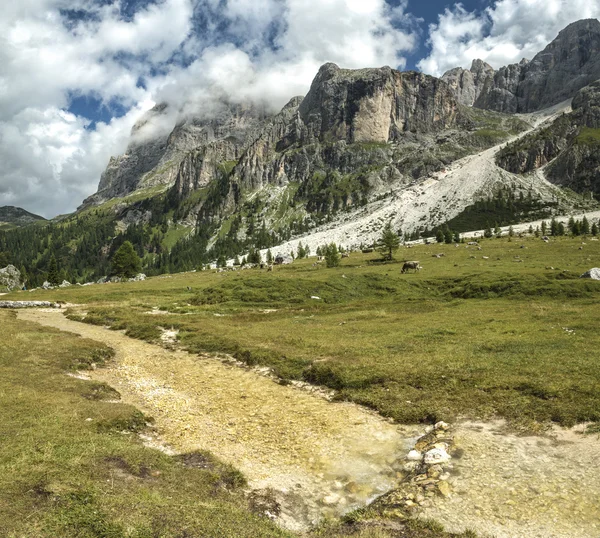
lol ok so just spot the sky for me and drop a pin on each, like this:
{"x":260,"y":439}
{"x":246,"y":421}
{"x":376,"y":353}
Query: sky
{"x":75,"y":75}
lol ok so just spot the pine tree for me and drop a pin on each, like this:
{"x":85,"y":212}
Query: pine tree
{"x":554,"y":226}
{"x":544,"y":227}
{"x":53,"y":275}
{"x":125,"y":262}
{"x":269,"y":257}
{"x":448,"y":236}
{"x":488,"y":232}
{"x":585,"y":226}
{"x":594,"y":229}
{"x":439,"y":236}
{"x":511,"y":231}
{"x":388,"y":242}
{"x":332,"y":257}
{"x":301,"y":251}
{"x":497,"y":230}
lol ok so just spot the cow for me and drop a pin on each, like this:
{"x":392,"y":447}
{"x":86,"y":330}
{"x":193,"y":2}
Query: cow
{"x":345,"y":255}
{"x":411,"y":265}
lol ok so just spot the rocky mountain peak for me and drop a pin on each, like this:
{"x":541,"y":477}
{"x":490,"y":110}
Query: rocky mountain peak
{"x":467,"y":85}
{"x":569,"y":63}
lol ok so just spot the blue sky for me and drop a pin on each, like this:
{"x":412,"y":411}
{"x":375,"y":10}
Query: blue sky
{"x":75,"y":75}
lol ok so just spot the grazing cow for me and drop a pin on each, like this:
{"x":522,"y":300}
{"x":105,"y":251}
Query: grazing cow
{"x":414,"y":265}
{"x":345,"y":255}
{"x":473,"y":243}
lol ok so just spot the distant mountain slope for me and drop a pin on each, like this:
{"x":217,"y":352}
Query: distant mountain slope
{"x":15,"y":217}
{"x":568,"y":150}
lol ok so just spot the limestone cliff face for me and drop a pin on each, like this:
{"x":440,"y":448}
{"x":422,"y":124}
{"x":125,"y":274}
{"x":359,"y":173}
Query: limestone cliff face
{"x":569,"y":63}
{"x":155,"y":153}
{"x":374,"y":105}
{"x":570,"y":146}
{"x":346,"y":123}
{"x":468,"y":84}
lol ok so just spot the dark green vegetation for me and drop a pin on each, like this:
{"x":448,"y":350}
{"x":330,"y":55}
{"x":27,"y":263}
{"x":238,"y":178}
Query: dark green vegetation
{"x":67,"y":468}
{"x":505,"y":207}
{"x":466,"y":336}
{"x":125,"y":262}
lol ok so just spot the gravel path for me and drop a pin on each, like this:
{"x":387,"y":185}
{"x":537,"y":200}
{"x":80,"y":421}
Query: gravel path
{"x":322,"y":458}
{"x":523,"y":487}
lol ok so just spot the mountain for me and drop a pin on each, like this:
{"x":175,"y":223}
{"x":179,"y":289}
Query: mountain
{"x":364,"y":147}
{"x":15,"y":217}
{"x":567,"y":64}
{"x":568,"y":150}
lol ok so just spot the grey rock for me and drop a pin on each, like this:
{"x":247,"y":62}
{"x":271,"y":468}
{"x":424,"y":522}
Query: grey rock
{"x":138,"y":278}
{"x":10,"y":278}
{"x":65,"y":284}
{"x":570,"y":146}
{"x":47,"y":286}
{"x":593,"y":273}
{"x":28,"y":304}
{"x":567,"y":64}
{"x":467,"y":85}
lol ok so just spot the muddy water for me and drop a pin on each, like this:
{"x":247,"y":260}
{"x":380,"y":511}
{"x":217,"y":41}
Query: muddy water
{"x":511,"y":486}
{"x":320,"y":458}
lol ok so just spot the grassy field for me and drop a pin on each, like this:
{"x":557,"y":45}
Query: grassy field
{"x":514,"y":335}
{"x":70,"y":466}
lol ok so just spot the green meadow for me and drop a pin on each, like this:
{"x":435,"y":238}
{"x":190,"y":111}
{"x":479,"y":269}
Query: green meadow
{"x":507,"y":331}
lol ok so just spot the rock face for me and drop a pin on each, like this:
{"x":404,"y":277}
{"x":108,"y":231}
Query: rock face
{"x":10,"y":278}
{"x":569,"y":63}
{"x":570,"y":146}
{"x":373,"y":105}
{"x":467,"y":85}
{"x":155,"y":153}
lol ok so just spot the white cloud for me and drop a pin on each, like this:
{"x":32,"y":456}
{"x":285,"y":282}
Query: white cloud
{"x":259,"y":50}
{"x":502,"y":34}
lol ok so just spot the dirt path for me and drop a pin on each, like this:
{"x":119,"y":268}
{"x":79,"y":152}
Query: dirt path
{"x":322,"y":458}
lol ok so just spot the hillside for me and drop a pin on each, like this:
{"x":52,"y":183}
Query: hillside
{"x":15,"y":217}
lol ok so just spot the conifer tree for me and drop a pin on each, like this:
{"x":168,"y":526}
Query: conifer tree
{"x":585,"y":226}
{"x":332,"y":257}
{"x":125,"y":262}
{"x":388,"y":242}
{"x":53,"y":274}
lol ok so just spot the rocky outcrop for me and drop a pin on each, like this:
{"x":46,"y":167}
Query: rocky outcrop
{"x":28,"y":304}
{"x":570,"y":146}
{"x":537,"y":149}
{"x":156,"y":151}
{"x":569,"y":63}
{"x":468,"y":84}
{"x":10,"y":278}
{"x":374,"y":105}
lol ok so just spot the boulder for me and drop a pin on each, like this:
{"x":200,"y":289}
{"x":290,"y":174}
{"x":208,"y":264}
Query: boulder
{"x":65,"y":284}
{"x":594,"y":274}
{"x":10,"y":278}
{"x":138,"y":278}
{"x":436,"y":455}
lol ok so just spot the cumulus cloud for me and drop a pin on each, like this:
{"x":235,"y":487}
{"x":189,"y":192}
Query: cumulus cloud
{"x":502,"y":34}
{"x":188,"y":53}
